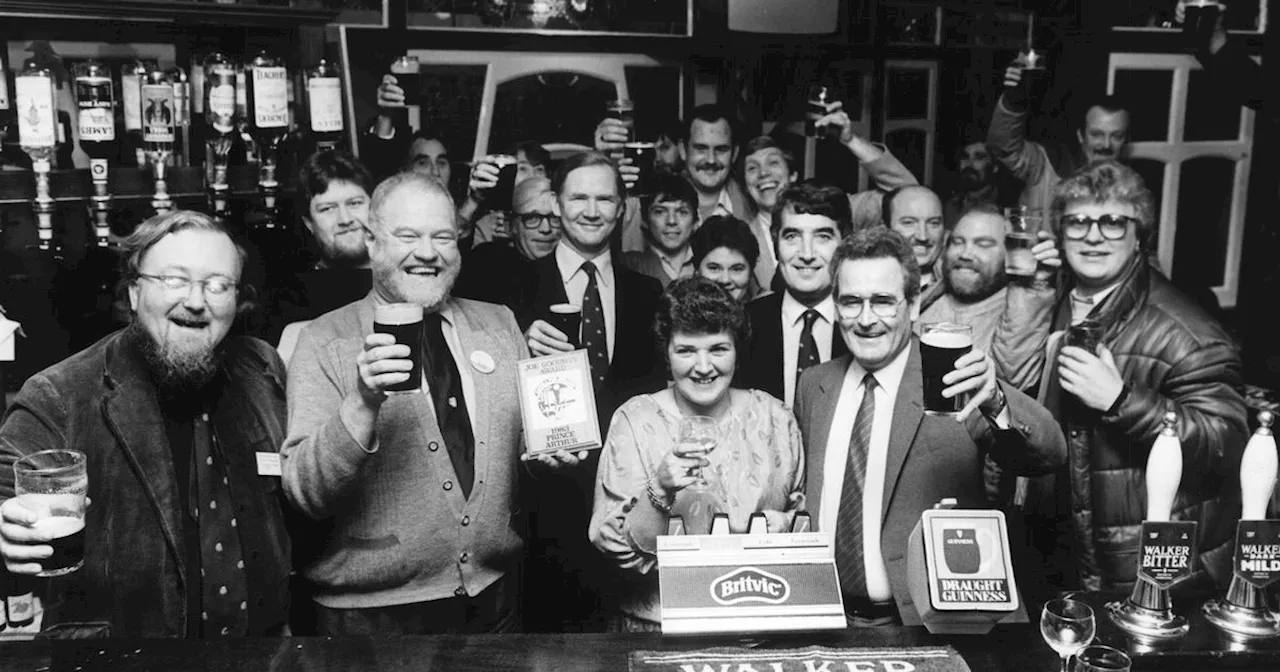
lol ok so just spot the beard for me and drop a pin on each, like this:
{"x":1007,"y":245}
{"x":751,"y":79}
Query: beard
{"x":176,"y":371}
{"x":343,"y":255}
{"x":972,"y":180}
{"x":430,"y":295}
{"x":974,"y":288}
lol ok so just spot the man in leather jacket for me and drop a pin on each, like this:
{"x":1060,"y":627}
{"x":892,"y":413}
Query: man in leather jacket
{"x":1159,"y":352}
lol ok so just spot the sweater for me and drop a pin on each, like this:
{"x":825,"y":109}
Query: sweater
{"x":402,"y":530}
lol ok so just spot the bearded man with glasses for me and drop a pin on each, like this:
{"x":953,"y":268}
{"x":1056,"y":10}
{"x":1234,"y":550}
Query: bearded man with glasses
{"x":186,"y":535}
{"x":1158,"y":352}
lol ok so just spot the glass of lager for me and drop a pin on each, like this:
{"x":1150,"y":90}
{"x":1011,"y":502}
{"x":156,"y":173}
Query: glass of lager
{"x":941,"y":344}
{"x":53,"y":485}
{"x":404,"y":321}
{"x":1024,"y":222}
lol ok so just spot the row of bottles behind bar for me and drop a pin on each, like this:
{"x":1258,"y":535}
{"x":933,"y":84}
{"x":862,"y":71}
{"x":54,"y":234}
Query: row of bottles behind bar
{"x":220,"y":106}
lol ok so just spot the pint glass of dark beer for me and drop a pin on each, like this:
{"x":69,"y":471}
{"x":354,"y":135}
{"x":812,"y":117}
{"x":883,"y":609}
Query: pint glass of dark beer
{"x":566,"y":317}
{"x":53,"y":484}
{"x":500,"y":198}
{"x":941,"y":344}
{"x":404,"y":321}
{"x":815,"y":108}
{"x":1200,"y":20}
{"x":407,"y":72}
{"x":640,"y":155}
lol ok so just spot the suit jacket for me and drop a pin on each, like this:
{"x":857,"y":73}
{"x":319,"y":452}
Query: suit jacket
{"x":929,"y":457}
{"x":762,"y":368}
{"x":634,"y":368}
{"x":102,"y":402}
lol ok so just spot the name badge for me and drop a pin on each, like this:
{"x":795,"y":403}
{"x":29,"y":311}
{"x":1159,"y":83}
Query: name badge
{"x":269,"y":464}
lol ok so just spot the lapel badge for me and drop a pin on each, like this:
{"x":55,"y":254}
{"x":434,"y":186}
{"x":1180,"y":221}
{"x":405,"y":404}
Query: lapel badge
{"x":482,"y":361}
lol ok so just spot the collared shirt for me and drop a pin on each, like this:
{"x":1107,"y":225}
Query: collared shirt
{"x":723,"y":206}
{"x":575,"y":285}
{"x":888,"y":380}
{"x":1082,"y":305}
{"x":767,"y":265}
{"x":680,"y":266}
{"x":792,"y":324}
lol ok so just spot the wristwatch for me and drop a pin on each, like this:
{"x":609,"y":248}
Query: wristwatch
{"x":1001,"y":403}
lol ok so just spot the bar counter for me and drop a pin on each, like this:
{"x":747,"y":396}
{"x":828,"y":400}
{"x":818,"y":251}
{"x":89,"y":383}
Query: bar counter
{"x":1012,"y":648}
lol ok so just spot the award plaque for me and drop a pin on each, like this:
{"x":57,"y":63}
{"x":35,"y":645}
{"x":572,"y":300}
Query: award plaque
{"x":558,"y":404}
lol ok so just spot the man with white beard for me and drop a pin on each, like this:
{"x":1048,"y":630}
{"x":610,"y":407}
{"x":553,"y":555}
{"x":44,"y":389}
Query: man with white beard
{"x":186,"y":536}
{"x":420,"y":489}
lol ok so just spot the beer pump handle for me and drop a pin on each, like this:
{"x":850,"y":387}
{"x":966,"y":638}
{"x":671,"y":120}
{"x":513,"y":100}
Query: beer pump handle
{"x":1258,"y":470}
{"x":1164,"y":470}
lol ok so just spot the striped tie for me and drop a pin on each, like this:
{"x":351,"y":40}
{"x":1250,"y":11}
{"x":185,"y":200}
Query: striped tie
{"x":849,"y":560}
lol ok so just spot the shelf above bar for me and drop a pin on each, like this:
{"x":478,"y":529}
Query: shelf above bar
{"x":170,"y":11}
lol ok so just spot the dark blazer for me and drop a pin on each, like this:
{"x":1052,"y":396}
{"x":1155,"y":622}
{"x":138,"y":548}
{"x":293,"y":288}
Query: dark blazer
{"x":491,"y":272}
{"x":647,"y":263}
{"x":929,"y":457}
{"x":102,"y":402}
{"x":635,"y":367}
{"x":761,"y":369}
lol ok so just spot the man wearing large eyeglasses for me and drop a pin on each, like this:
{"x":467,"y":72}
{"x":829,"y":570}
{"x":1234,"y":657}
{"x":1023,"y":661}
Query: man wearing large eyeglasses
{"x":186,"y":534}
{"x":1158,"y":352}
{"x":876,"y":460}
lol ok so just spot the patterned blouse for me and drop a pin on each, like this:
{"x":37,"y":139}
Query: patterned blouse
{"x":758,"y":464}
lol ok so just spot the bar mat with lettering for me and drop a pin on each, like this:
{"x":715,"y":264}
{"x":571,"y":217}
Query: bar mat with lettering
{"x":918,"y":658}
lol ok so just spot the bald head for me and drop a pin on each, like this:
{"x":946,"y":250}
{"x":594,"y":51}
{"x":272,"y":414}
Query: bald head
{"x":415,"y":186}
{"x":915,"y":212}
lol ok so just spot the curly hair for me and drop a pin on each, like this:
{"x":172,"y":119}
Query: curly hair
{"x":1107,"y":181}
{"x":697,"y":305}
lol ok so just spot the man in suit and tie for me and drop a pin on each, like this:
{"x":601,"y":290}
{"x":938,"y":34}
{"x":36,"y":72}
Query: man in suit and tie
{"x":419,"y":489}
{"x":876,"y":459}
{"x":794,"y":329}
{"x":565,"y":581}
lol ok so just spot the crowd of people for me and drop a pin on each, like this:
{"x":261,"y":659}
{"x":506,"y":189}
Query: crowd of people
{"x":786,"y":310}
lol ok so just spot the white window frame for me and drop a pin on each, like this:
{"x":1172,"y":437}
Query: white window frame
{"x":1173,"y":152}
{"x":928,"y":124}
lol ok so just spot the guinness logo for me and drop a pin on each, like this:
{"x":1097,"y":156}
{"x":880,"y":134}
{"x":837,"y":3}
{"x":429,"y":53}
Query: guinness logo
{"x":748,"y":584}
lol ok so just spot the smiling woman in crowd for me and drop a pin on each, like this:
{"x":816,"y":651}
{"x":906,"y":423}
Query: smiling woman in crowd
{"x":724,"y":252}
{"x":756,"y":466}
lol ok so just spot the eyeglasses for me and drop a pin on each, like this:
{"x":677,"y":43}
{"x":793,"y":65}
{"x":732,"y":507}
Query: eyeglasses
{"x":883,"y":305}
{"x":216,"y":287}
{"x":1112,"y":227}
{"x":534,"y":220}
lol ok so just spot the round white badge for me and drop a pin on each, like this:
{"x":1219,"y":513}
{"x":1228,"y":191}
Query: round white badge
{"x":482,"y":361}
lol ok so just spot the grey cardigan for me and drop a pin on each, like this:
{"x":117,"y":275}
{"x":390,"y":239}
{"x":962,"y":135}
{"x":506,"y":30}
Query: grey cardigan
{"x":402,"y":531}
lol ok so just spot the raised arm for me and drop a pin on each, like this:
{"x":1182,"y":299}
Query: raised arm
{"x":1007,"y":135}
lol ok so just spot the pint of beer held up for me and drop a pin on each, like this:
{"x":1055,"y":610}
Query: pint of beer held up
{"x":53,"y":485}
{"x":404,"y":321}
{"x":941,"y":344}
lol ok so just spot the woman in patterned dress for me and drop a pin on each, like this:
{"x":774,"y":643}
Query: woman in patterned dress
{"x":756,"y":466}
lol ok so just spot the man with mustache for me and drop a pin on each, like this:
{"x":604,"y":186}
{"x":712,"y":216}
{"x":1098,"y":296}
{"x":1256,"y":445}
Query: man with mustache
{"x":768,"y":169}
{"x":1102,"y":132}
{"x":419,"y":489}
{"x":186,"y":536}
{"x":794,"y":329}
{"x":668,"y":208}
{"x":978,"y":181}
{"x":915,"y":213}
{"x":875,"y":460}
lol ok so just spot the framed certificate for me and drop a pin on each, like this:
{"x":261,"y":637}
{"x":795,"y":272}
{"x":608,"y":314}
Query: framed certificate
{"x":558,"y":404}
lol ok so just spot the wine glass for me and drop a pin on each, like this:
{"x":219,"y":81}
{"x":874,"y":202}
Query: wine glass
{"x":697,"y":439}
{"x":1099,"y":658}
{"x":1067,"y":626}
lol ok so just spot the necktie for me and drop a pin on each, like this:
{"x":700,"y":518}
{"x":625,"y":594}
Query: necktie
{"x":808,"y":355}
{"x":451,"y":407}
{"x":594,"y":338}
{"x":849,"y":560}
{"x":224,"y":585}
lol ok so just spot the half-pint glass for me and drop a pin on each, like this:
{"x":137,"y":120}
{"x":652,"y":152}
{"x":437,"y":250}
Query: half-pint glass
{"x":941,"y":344}
{"x":53,"y":485}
